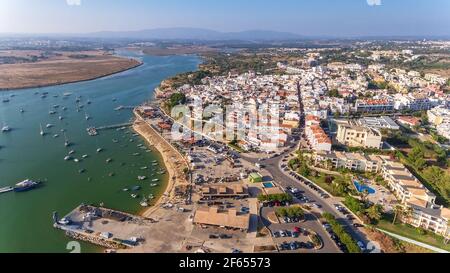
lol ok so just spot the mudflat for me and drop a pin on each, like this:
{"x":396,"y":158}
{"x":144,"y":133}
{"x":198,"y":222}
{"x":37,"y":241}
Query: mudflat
{"x":60,"y":68}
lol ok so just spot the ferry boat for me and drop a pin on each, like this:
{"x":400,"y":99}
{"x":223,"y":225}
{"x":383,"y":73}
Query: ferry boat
{"x":25,"y":185}
{"x":6,"y":189}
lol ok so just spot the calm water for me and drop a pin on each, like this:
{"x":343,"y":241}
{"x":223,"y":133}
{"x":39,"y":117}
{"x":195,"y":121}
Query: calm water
{"x":26,"y":218}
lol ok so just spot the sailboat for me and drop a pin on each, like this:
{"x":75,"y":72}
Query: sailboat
{"x":66,"y":142}
{"x":42,"y":133}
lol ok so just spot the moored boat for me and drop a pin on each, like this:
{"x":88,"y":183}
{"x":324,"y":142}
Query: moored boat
{"x":25,"y":185}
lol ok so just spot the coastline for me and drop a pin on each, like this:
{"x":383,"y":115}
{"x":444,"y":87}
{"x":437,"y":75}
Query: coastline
{"x":171,"y":159}
{"x":138,"y":64}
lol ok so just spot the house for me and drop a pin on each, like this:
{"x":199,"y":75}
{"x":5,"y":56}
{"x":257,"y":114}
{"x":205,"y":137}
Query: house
{"x":213,"y":216}
{"x":409,"y":121}
{"x":374,"y":105}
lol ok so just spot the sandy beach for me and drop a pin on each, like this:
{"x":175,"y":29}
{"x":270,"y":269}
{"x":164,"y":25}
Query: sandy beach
{"x":62,"y":69}
{"x":173,"y":161}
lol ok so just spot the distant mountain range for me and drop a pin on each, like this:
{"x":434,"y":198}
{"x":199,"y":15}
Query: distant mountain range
{"x":195,"y":34}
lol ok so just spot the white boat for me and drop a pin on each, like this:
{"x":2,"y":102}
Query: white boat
{"x":85,"y":156}
{"x":42,"y":133}
{"x":76,"y":160}
{"x":144,"y":204}
{"x":6,"y":189}
{"x":64,"y":221}
{"x":134,"y":195}
{"x":99,"y":150}
{"x":71,"y":152}
{"x":153,"y":185}
{"x":67,"y":158}
{"x":109,"y":160}
{"x":6,"y":129}
{"x":52,"y":112}
{"x":67,"y":94}
{"x":155,"y":180}
{"x":49,"y":125}
{"x":55,"y":136}
{"x":141,"y":178}
{"x":60,"y":118}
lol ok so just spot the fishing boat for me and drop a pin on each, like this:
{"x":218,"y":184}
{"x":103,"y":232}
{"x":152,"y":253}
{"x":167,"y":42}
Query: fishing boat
{"x":6,"y":189}
{"x":25,"y":185}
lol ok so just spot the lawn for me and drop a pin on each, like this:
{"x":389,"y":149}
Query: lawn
{"x":413,"y":233}
{"x":320,"y":181}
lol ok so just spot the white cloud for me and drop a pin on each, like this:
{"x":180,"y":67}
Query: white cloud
{"x":73,"y":2}
{"x":374,"y":2}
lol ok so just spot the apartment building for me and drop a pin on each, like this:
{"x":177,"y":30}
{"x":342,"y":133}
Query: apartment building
{"x":411,"y":193}
{"x":358,"y":136}
{"x":317,"y":138}
{"x":374,"y":105}
{"x":351,"y":161}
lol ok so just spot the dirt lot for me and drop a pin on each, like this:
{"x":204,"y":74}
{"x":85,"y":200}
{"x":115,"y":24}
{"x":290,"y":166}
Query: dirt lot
{"x":59,"y":68}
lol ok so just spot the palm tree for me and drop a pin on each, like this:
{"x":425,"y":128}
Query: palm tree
{"x":375,"y":212}
{"x":398,"y":210}
{"x":408,"y":212}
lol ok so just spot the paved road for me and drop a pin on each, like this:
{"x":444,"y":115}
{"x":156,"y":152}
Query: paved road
{"x":311,"y":223}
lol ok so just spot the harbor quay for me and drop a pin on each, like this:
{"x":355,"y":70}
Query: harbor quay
{"x":105,"y":227}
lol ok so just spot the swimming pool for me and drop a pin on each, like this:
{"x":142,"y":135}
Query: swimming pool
{"x":268,"y":185}
{"x":362,"y":188}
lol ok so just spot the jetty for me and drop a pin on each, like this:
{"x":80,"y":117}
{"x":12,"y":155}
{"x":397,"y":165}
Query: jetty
{"x":105,"y":227}
{"x":93,"y":131}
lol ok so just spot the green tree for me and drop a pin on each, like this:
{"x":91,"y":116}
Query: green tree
{"x":375,"y":212}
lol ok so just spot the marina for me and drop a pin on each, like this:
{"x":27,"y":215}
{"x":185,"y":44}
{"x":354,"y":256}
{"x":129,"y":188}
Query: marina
{"x":67,"y":183}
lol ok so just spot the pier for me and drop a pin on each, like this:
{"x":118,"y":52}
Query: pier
{"x":104,"y":227}
{"x":93,"y":131}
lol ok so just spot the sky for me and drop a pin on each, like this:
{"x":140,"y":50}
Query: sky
{"x":306,"y":17}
